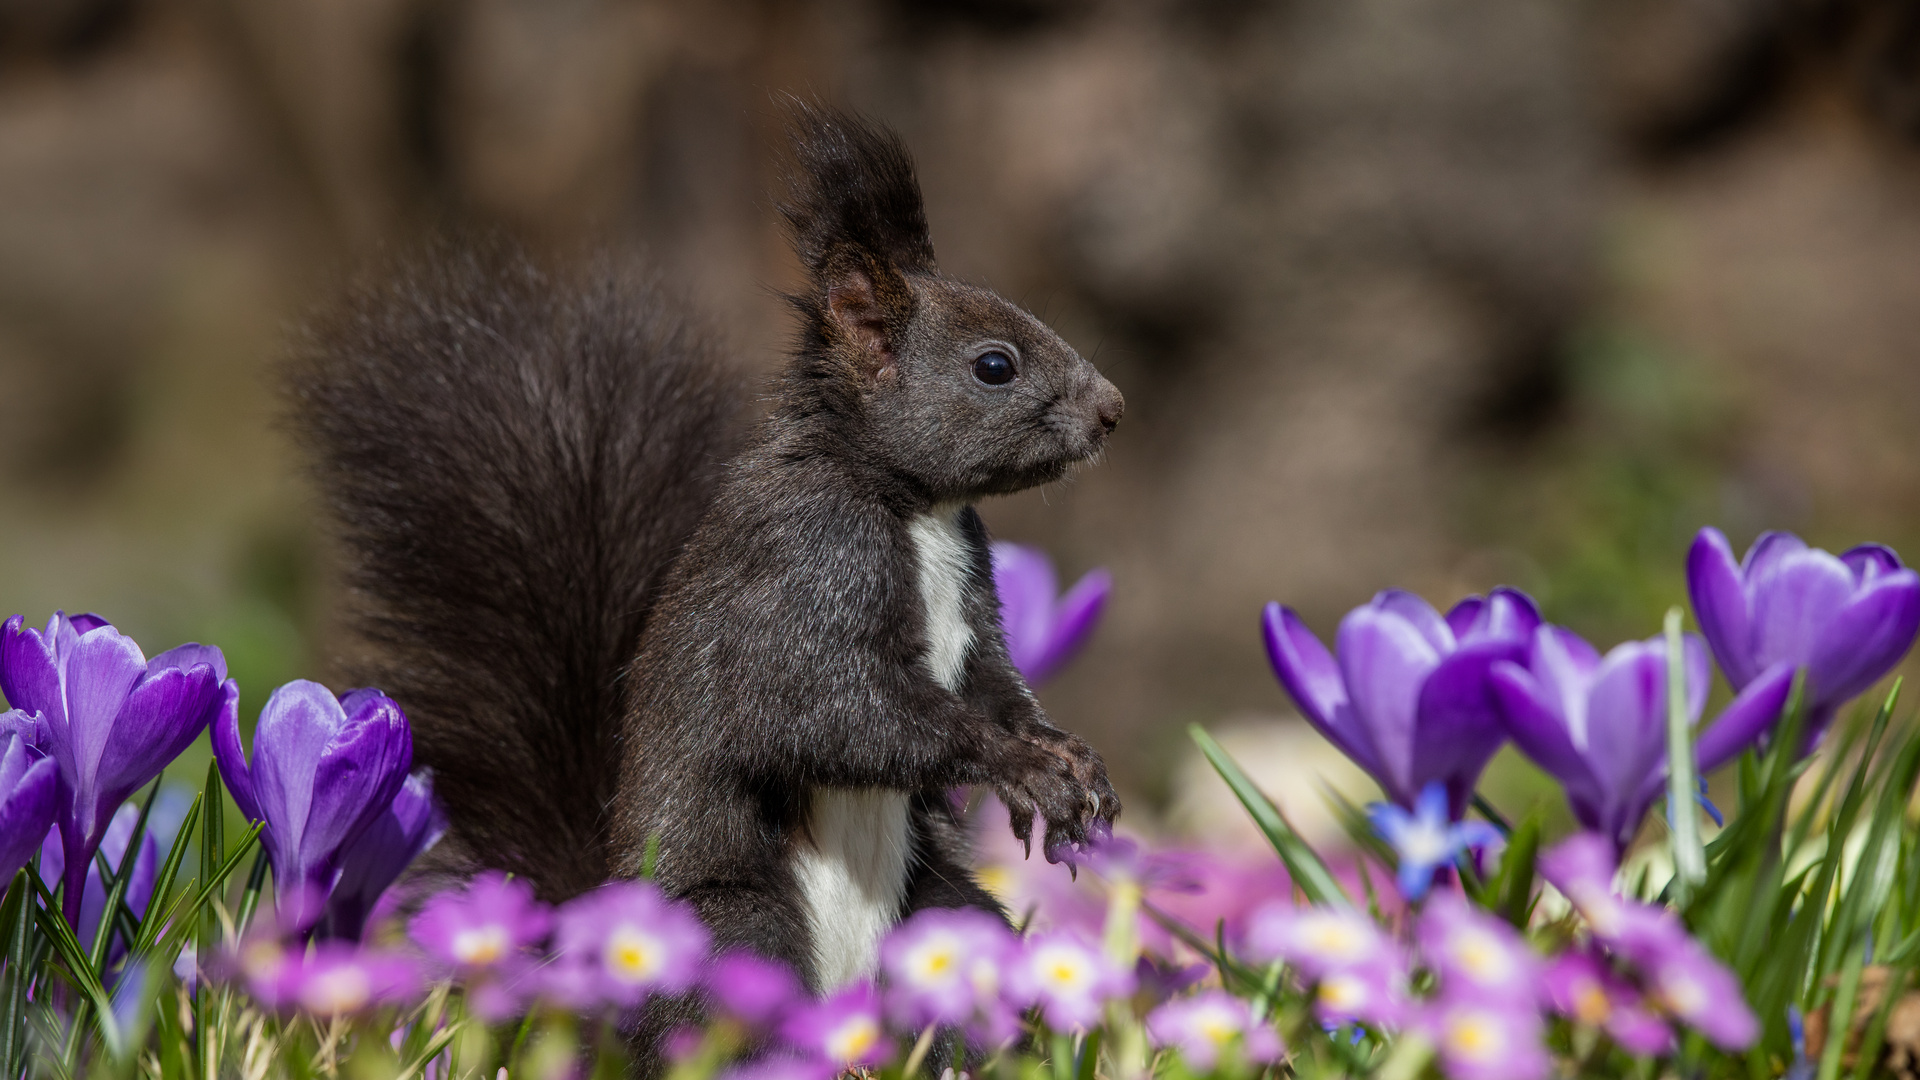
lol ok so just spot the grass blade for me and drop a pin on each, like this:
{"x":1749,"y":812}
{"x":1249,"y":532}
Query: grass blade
{"x":1303,"y":864}
{"x":1689,"y":858}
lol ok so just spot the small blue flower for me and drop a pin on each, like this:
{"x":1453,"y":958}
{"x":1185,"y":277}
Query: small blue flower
{"x":1425,"y":840}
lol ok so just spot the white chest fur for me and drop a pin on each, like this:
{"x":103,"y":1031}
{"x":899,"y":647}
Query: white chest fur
{"x":853,"y":875}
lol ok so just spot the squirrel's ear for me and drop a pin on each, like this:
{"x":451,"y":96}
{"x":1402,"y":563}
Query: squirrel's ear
{"x":852,"y":197}
{"x":866,"y":306}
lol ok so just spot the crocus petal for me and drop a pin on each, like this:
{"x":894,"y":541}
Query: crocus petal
{"x":161,"y":717}
{"x":1023,"y":577}
{"x":295,"y":727}
{"x":28,"y":674}
{"x":1385,"y":660}
{"x":1507,"y":615}
{"x":1540,"y":733}
{"x":186,"y":656}
{"x":1869,"y":561}
{"x":1794,"y":601}
{"x":1073,"y":622}
{"x":1308,"y":672}
{"x":1459,"y":726}
{"x":1626,"y":732}
{"x":231,"y":757}
{"x":1419,"y":615}
{"x":1461,"y":616}
{"x":374,"y":861}
{"x":1768,"y":549}
{"x":27,"y":789}
{"x":356,"y":779}
{"x":1720,"y":604}
{"x":103,"y":669}
{"x":1866,"y":638}
{"x":1755,"y":710}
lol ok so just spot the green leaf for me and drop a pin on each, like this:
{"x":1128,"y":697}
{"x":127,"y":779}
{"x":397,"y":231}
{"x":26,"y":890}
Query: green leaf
{"x":1513,"y":886}
{"x":1302,"y":863}
{"x":1689,"y":858}
{"x":79,"y":969}
{"x":1841,"y":1023}
{"x":163,"y":882}
{"x":16,"y":929}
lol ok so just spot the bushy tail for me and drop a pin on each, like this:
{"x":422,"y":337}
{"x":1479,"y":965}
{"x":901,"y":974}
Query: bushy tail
{"x":513,"y":457}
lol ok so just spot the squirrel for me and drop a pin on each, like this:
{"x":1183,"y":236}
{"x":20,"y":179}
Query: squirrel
{"x":637,"y":634}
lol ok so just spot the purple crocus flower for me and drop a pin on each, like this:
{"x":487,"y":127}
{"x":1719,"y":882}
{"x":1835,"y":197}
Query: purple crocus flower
{"x":1405,"y":693}
{"x":1847,"y":620}
{"x":621,"y":943}
{"x":843,"y":1030}
{"x":1043,"y":628}
{"x":412,"y":824}
{"x":484,"y":932}
{"x":323,"y":771}
{"x":753,"y":989}
{"x":1213,"y":1024}
{"x":1425,"y":840}
{"x":1600,"y":725}
{"x":1583,"y":988}
{"x":110,"y":718}
{"x":1476,"y":954}
{"x":945,"y":966}
{"x":1070,"y":978}
{"x":483,"y":926}
{"x":28,"y":784}
{"x":1479,"y":1040}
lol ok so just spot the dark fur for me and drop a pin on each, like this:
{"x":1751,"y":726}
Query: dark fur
{"x":786,"y":651}
{"x":507,"y":544}
{"x":513,"y":459}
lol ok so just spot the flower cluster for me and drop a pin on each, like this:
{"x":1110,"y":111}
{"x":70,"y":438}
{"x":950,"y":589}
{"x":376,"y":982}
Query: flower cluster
{"x":1416,"y":698}
{"x":1490,"y":993}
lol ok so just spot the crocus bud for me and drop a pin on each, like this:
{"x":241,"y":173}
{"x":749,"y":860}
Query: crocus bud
{"x":323,"y":770}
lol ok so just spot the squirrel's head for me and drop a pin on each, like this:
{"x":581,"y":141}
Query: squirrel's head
{"x":953,"y":386}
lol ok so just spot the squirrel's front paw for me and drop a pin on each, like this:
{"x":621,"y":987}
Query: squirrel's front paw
{"x":1055,"y":775}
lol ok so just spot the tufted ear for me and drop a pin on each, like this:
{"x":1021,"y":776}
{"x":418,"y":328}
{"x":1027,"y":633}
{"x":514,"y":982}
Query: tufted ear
{"x":853,"y":190}
{"x":854,"y":214}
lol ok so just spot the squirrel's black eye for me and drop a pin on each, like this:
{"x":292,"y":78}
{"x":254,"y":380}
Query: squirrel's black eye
{"x":994,"y":368}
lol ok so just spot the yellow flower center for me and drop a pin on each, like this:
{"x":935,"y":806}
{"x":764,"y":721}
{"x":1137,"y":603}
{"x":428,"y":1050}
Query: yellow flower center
{"x":1332,"y":937}
{"x":1480,"y":954}
{"x":1475,"y":1036}
{"x":1064,"y":969}
{"x":1591,"y":1004}
{"x":1342,"y":992}
{"x":481,"y":945}
{"x":1218,"y":1025}
{"x":631,"y":955}
{"x":936,"y":960}
{"x":853,"y":1038}
{"x":342,"y":990}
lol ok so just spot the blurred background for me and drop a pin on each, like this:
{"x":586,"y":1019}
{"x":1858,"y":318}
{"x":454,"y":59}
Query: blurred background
{"x":1434,"y":293}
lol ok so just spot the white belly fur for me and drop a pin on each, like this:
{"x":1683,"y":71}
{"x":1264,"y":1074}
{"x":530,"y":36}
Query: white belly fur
{"x":853,"y":874}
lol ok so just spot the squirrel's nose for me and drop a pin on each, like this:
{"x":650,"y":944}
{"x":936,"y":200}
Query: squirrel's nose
{"x":1110,"y":406}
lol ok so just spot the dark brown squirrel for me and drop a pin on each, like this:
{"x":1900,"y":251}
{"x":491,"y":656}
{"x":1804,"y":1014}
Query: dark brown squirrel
{"x":626,"y":626}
